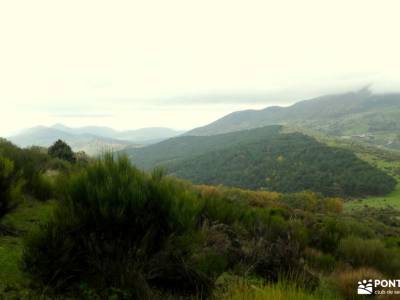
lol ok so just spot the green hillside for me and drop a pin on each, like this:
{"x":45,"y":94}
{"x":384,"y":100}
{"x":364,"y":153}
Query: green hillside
{"x":362,"y":116}
{"x":103,"y":229}
{"x":266,"y":158}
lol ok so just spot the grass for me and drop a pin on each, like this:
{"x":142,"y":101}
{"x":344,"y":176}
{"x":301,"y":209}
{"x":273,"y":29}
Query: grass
{"x":391,"y":165}
{"x":28,"y":214}
{"x":391,"y":200}
{"x":383,"y":159}
{"x":243,"y":290}
{"x":345,"y":281}
{"x":26,"y":217}
{"x":10,"y":251}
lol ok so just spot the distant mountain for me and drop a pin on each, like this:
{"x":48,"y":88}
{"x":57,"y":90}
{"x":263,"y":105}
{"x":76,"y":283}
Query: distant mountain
{"x":91,"y":139}
{"x":148,"y":135}
{"x":265,"y":158}
{"x":142,"y":135}
{"x":46,"y":136}
{"x":362,"y":115}
{"x":94,"y":130}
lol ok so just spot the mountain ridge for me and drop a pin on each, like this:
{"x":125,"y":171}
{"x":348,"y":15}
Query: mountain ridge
{"x":377,"y":116}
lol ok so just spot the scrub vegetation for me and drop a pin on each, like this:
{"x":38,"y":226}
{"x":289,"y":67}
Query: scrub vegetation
{"x":103,"y":229}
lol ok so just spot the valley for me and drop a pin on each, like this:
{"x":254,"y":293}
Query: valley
{"x":275,"y":211}
{"x":199,"y":150}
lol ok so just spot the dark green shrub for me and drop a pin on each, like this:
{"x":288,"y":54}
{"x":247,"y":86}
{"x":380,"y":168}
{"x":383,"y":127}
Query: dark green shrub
{"x":30,"y":164}
{"x":10,"y":186}
{"x":42,"y":187}
{"x":33,"y":164}
{"x":218,"y":248}
{"x":117,"y":227}
{"x":320,"y":261}
{"x":273,"y":258}
{"x":327,"y":234}
{"x":325,"y":262}
{"x":371,"y":253}
{"x":59,"y":165}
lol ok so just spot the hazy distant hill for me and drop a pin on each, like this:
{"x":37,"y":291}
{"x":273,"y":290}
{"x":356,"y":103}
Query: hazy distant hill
{"x":142,"y":135}
{"x":373,"y":118}
{"x":265,"y":158}
{"x":95,"y":130}
{"x":91,"y":139}
{"x":46,"y":136}
{"x":148,"y":135}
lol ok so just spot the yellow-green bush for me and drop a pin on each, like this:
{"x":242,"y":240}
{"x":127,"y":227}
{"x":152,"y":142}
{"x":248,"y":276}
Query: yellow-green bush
{"x":10,"y":186}
{"x":372,"y":253}
{"x":241,"y":289}
{"x":346,"y":281}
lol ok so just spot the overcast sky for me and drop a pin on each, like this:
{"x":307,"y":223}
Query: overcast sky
{"x":181,"y":64}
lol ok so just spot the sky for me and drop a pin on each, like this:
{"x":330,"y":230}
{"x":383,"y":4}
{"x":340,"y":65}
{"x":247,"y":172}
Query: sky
{"x":185,"y":63}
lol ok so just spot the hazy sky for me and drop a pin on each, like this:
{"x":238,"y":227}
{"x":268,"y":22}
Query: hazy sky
{"x":181,"y":64}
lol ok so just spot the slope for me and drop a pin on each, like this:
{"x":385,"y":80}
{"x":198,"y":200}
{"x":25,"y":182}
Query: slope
{"x":265,"y":158}
{"x":362,"y":115}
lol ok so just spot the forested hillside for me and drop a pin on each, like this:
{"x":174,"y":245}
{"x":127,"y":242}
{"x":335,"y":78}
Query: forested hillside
{"x":265,"y":158}
{"x":362,"y":116}
{"x":103,"y":229}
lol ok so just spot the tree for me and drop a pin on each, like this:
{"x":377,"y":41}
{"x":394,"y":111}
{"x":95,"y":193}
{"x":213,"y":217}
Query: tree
{"x":61,"y":150}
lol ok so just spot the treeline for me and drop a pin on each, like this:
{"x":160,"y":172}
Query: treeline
{"x":122,"y":233}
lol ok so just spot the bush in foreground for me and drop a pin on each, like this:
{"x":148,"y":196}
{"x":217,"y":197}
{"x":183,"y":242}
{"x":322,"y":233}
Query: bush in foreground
{"x":119,"y":231}
{"x":116,"y":227}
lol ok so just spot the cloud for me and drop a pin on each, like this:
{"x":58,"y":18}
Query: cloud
{"x":185,"y":63}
